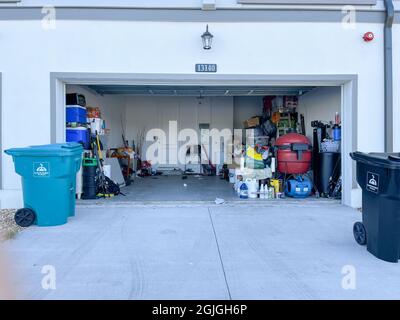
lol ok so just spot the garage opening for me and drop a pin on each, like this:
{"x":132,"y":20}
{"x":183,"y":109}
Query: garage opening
{"x":202,"y":143}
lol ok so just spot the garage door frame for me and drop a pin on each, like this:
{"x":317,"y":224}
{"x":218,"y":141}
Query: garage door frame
{"x":348,"y":83}
{"x":1,"y":130}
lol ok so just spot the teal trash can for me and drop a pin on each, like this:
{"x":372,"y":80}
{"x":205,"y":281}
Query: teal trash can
{"x":48,"y":176}
{"x":72,"y":145}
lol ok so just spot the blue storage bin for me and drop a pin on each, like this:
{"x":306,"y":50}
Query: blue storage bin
{"x":80,"y":135}
{"x":75,"y":113}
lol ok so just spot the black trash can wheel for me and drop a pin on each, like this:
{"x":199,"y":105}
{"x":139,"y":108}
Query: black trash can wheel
{"x":25,"y":217}
{"x":360,"y":234}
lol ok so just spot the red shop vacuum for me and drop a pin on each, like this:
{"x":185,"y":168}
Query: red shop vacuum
{"x":294,"y":154}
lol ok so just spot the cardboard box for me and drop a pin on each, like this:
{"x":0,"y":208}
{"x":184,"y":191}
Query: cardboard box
{"x":93,"y":112}
{"x":252,"y":122}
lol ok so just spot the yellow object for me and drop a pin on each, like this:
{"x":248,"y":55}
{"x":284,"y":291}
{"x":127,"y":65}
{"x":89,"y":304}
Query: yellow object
{"x":98,"y":147}
{"x":253,"y":154}
{"x":106,"y":195}
{"x":276,"y":184}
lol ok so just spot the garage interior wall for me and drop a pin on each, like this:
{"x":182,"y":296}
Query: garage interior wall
{"x":319,"y":104}
{"x":245,"y":108}
{"x":147,"y":112}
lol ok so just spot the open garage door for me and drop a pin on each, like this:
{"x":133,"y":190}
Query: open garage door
{"x":154,"y":123}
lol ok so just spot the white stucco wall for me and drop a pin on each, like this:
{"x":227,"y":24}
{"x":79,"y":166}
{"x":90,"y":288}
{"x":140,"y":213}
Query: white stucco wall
{"x":396,"y":91}
{"x":29,"y":54}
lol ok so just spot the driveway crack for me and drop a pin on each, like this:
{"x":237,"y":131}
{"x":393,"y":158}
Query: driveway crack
{"x":219,"y":254}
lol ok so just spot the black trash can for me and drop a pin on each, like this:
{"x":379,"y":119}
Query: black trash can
{"x":378,"y":174}
{"x":328,"y":166}
{"x":89,"y":179}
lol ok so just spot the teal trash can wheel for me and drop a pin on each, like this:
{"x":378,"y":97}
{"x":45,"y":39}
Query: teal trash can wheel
{"x":360,"y":234}
{"x":25,"y":217}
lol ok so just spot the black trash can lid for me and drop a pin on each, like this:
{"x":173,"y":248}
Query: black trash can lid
{"x":386,"y":160}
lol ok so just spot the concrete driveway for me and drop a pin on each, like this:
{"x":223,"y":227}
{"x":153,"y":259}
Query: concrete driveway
{"x":302,"y":250}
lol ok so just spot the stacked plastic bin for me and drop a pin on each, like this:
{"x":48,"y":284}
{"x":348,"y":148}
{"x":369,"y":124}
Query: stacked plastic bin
{"x":76,"y":118}
{"x":77,"y":128}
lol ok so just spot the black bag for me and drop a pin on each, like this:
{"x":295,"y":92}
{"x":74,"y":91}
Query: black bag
{"x":112,"y":187}
{"x":269,"y":128}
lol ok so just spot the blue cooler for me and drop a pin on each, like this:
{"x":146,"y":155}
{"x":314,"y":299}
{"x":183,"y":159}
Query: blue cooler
{"x":80,"y":135}
{"x":76,"y":113}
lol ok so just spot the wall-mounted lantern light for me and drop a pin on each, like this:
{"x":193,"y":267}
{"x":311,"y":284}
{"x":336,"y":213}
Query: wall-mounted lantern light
{"x":207,"y":39}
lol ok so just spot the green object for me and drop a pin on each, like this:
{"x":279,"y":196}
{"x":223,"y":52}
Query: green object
{"x":48,"y":175}
{"x":253,"y":159}
{"x":254,"y":164}
{"x":89,"y":162}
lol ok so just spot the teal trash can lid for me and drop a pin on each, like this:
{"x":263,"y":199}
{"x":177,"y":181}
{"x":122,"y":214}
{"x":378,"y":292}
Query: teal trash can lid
{"x":57,"y":149}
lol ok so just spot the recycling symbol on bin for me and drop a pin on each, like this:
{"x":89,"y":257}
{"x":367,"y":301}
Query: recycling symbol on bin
{"x":41,"y":169}
{"x":372,"y":182}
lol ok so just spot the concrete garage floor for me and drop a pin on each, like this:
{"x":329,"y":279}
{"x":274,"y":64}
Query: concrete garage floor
{"x":264,"y":251}
{"x":171,"y":188}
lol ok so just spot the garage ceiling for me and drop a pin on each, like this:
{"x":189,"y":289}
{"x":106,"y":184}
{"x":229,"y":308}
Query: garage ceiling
{"x":203,"y":91}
